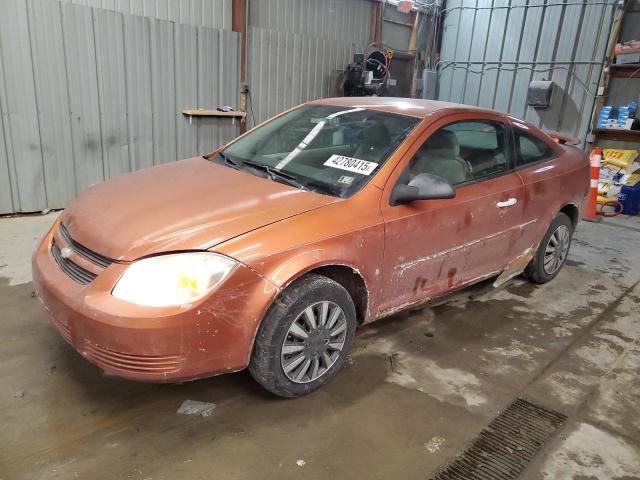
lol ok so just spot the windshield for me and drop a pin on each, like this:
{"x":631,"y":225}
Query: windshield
{"x":323,"y":148}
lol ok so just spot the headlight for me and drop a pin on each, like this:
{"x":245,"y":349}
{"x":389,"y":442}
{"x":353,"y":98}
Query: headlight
{"x":174,"y":279}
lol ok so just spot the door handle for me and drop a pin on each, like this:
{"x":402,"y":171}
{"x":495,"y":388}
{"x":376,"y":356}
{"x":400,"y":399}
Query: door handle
{"x":507,"y":203}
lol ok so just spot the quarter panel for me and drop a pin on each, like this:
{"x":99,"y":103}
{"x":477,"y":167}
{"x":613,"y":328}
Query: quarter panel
{"x":548,"y":187}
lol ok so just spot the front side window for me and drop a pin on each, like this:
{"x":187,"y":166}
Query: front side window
{"x":328,"y":149}
{"x":531,"y":149}
{"x":463,"y":151}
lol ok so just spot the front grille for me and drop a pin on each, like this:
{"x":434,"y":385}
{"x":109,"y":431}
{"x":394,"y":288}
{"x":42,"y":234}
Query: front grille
{"x":75,"y":271}
{"x":126,"y":362}
{"x":83,"y":251}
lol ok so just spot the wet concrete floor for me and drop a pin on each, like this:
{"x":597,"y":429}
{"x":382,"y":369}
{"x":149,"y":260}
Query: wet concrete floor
{"x":418,"y":387}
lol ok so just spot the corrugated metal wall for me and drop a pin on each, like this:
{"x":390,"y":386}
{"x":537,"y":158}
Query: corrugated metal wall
{"x":293,"y":45}
{"x":201,"y":13}
{"x":87,"y":93}
{"x":492,"y":49}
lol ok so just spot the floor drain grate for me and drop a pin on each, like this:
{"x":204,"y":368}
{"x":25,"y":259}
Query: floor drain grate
{"x":503,"y":449}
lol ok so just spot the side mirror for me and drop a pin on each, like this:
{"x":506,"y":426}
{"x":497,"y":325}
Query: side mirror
{"x":423,"y":186}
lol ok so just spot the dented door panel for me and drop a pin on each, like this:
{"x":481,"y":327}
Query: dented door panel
{"x":492,"y":225}
{"x":424,"y":250}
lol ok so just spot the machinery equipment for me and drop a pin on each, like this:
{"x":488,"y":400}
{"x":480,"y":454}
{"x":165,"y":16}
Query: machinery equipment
{"x":366,"y":76}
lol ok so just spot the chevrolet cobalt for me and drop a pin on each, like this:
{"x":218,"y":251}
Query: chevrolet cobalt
{"x":269,"y":252}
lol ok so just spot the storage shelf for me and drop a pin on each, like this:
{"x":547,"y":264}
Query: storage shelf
{"x":199,"y":112}
{"x":625,"y":70}
{"x":619,"y":135}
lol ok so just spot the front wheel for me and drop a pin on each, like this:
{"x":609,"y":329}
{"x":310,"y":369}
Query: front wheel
{"x":305,"y":338}
{"x":552,"y":251}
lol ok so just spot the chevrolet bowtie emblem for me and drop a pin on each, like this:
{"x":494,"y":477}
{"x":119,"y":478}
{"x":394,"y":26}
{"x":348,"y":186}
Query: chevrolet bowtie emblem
{"x":66,"y":252}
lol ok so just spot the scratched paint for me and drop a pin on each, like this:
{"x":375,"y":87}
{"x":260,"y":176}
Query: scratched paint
{"x":407,"y":265}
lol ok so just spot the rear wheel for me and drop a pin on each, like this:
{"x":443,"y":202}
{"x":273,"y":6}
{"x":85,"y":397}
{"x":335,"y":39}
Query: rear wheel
{"x":552,"y":251}
{"x":305,"y":337}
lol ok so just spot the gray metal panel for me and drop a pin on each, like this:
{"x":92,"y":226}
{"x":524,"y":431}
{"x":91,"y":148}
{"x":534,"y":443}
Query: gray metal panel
{"x":564,"y":43}
{"x":186,"y":44}
{"x":137,"y":70}
{"x":195,"y":13}
{"x":287,"y":69}
{"x":567,"y":45}
{"x":579,"y":100}
{"x":451,"y":34}
{"x":549,"y":34}
{"x":529,"y":45}
{"x":306,"y":68}
{"x":208,"y":13}
{"x":208,"y":65}
{"x":497,"y":42}
{"x":53,"y":101}
{"x":20,"y":104}
{"x":343,"y":20}
{"x":462,"y":52}
{"x":228,"y":73}
{"x":6,"y":187}
{"x":479,"y":40}
{"x":80,"y":58}
{"x":88,"y":93}
{"x":396,"y":36}
{"x":112,"y":91}
{"x":595,"y":70}
{"x":272,"y":78}
{"x":511,"y":51}
{"x":163,"y":91}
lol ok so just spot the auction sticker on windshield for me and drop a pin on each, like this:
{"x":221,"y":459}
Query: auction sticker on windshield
{"x":351,"y":164}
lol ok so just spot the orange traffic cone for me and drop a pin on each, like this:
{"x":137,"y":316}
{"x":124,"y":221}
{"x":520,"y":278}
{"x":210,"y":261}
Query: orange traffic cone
{"x":590,"y":214}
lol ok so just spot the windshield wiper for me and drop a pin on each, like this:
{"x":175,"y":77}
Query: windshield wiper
{"x":275,"y":174}
{"x":324,"y":188}
{"x":228,"y":160}
{"x":279,"y":175}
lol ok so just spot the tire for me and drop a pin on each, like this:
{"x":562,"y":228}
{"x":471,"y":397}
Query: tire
{"x":279,"y":343}
{"x":560,"y":231}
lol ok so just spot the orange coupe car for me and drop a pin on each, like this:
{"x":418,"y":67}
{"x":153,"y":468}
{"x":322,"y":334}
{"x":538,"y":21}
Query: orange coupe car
{"x":269,"y":252}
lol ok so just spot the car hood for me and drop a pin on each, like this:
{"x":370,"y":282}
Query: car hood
{"x":192,"y":204}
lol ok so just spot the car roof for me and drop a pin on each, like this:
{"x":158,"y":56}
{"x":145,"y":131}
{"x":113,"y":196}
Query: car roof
{"x":415,"y":107}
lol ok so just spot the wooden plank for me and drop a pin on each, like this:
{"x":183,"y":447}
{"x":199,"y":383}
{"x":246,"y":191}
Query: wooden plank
{"x":619,"y":135}
{"x":628,"y":70}
{"x":200,"y":112}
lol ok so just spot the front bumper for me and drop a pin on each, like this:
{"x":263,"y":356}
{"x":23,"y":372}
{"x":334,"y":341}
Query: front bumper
{"x":212,"y":336}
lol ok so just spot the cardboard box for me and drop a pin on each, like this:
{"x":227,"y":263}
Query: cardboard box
{"x":628,"y":58}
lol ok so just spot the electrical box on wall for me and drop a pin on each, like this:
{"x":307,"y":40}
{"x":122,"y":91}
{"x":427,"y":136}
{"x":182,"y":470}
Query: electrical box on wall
{"x":427,"y":84}
{"x":539,"y":93}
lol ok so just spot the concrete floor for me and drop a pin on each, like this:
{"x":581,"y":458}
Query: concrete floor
{"x":417,"y":389}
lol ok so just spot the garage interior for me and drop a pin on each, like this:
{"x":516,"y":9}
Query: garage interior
{"x":92,"y":89}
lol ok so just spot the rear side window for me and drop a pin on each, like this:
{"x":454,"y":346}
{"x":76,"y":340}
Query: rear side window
{"x":531,"y":149}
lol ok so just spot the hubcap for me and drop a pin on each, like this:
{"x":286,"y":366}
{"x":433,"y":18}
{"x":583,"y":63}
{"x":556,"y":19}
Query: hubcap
{"x":556,"y":249}
{"x":313,"y":342}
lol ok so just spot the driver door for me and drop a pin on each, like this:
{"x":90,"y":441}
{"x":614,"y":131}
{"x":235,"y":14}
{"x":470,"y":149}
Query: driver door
{"x":435,"y":246}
